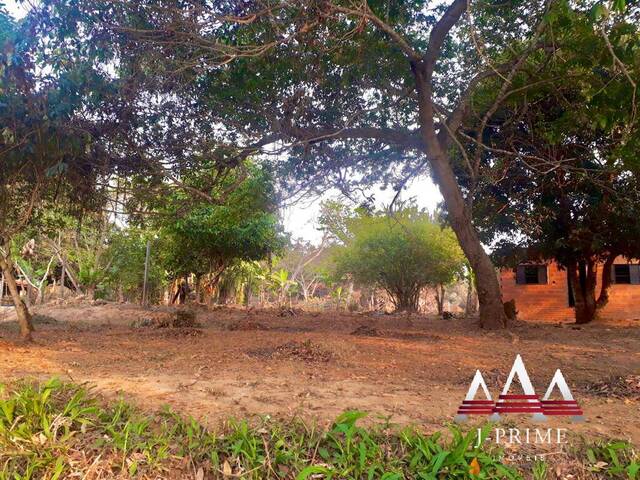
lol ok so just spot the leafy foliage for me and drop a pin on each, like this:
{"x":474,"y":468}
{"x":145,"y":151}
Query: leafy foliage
{"x":570,"y":190}
{"x":401,"y":253}
{"x":50,"y":125}
{"x":124,"y":277}
{"x":203,"y":237}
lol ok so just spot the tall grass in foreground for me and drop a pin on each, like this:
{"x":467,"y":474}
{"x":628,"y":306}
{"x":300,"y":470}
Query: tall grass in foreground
{"x":55,"y":430}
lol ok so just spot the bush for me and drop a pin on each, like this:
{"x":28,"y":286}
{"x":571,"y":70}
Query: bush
{"x":401,"y":254}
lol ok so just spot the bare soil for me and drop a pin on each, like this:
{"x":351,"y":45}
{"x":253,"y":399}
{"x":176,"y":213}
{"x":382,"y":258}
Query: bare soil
{"x":238,"y":362}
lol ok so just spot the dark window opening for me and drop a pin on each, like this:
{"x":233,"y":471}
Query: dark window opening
{"x":626,"y":274}
{"x":531,"y":274}
{"x":622,"y":274}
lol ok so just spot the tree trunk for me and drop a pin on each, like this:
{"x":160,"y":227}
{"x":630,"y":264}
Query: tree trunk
{"x":471,"y":306}
{"x":487,"y":286}
{"x":440,"y":299}
{"x":459,"y":213}
{"x":29,"y":297}
{"x":62,"y":281}
{"x":603,"y":298}
{"x":196,"y":286}
{"x":40,"y":299}
{"x":583,"y":282}
{"x":349,"y":298}
{"x":246,"y":297}
{"x":91,"y":292}
{"x":22,"y":312}
{"x":406,"y":300}
{"x":489,"y":295}
{"x":314,"y":287}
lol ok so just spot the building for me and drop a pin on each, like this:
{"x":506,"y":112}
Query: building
{"x":541,"y":291}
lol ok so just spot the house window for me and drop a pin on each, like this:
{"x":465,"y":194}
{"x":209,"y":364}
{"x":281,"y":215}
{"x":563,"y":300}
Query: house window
{"x":622,"y":274}
{"x":531,"y":275}
{"x":626,"y":274}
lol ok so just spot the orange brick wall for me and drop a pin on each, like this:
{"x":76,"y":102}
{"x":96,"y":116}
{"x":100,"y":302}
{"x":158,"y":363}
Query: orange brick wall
{"x":550,"y":302}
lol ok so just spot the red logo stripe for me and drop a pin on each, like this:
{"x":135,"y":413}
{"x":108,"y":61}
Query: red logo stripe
{"x":518,"y":397}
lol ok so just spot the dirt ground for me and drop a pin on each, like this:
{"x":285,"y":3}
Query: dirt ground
{"x":243,"y":362}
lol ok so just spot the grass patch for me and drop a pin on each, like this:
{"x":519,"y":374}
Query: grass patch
{"x":55,"y":430}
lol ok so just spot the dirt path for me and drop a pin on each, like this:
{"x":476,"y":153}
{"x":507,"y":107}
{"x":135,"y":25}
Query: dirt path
{"x":414,"y":369}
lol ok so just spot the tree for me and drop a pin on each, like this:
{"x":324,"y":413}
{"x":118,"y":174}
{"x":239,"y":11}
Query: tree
{"x":47,"y":142}
{"x":574,"y":221}
{"x":354,"y":91}
{"x":124,"y":275}
{"x":343,"y":86}
{"x":401,"y":254}
{"x":281,"y":284}
{"x":203,"y":238}
{"x":305,"y":262}
{"x":35,"y":268}
{"x":80,"y":132}
{"x":571,"y":192}
{"x":243,"y":279}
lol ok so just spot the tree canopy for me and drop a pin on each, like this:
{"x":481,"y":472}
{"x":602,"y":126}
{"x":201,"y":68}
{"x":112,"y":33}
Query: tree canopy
{"x":561,"y":151}
{"x":203,"y":238}
{"x":108,"y":100}
{"x":362,"y":92}
{"x":401,"y":254}
{"x":52,"y":118}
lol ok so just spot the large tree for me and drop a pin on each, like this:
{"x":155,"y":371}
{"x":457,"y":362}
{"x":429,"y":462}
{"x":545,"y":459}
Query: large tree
{"x":564,"y":151}
{"x":203,"y":238}
{"x":48,"y":149}
{"x":568,"y":218}
{"x":80,"y":132}
{"x":354,"y":91}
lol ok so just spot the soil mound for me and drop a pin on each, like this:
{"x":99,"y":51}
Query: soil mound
{"x":185,"y":319}
{"x":616,"y":387}
{"x":288,"y":312}
{"x":178,"y":319}
{"x":306,"y":351}
{"x":366,"y":331}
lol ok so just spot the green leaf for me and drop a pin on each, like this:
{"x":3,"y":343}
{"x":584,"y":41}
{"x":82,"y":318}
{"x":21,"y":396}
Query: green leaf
{"x":311,"y":470}
{"x":58,"y":469}
{"x":619,"y":5}
{"x":599,"y":11}
{"x":438,"y":461}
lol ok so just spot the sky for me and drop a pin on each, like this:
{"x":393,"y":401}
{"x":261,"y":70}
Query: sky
{"x":300,"y":219}
{"x":13,"y":8}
